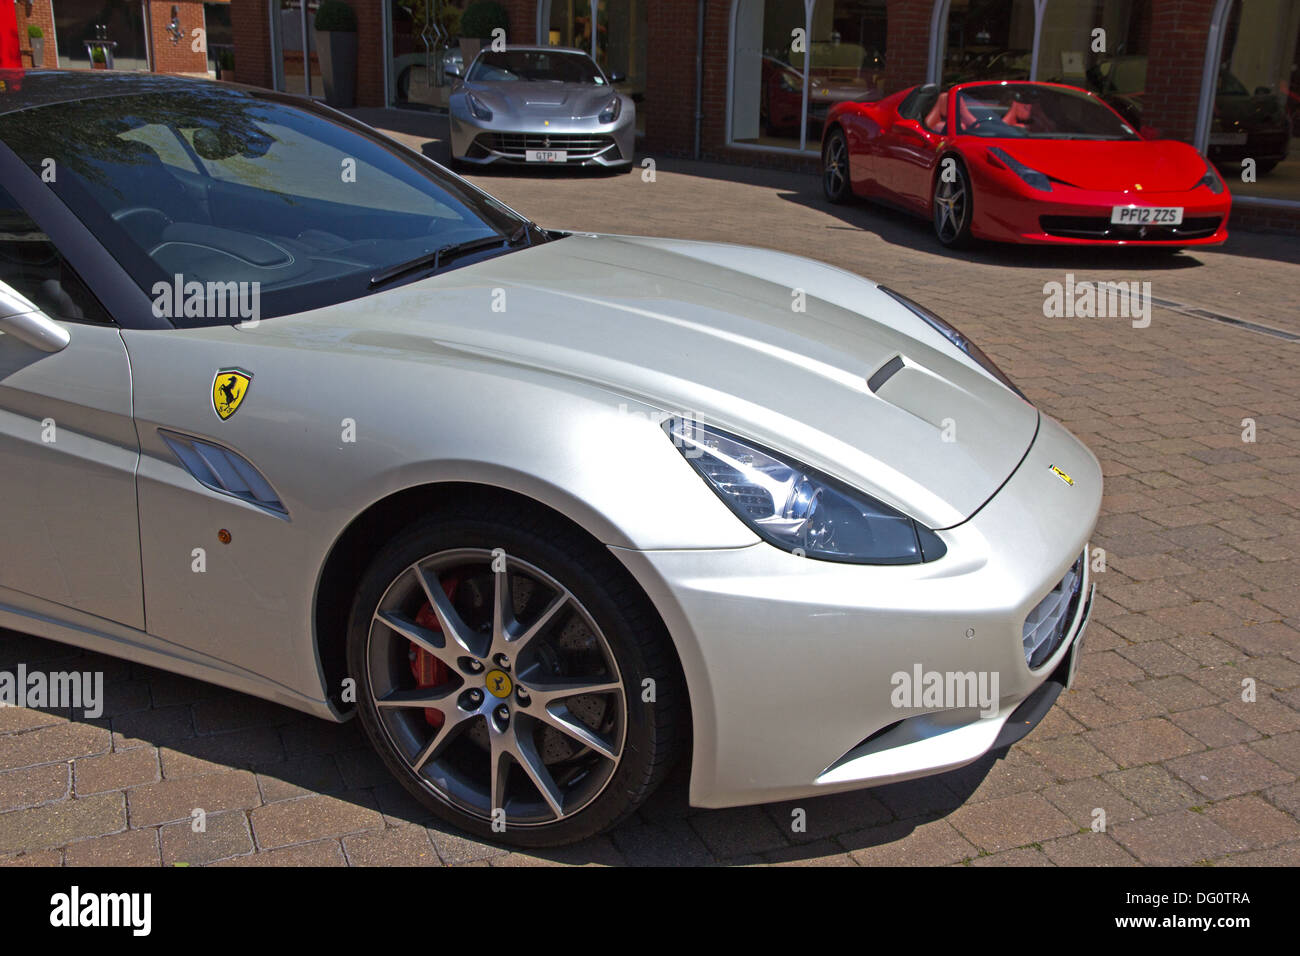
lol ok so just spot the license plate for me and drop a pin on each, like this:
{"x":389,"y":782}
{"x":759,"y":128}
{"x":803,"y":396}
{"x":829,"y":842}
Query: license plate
{"x":1227,"y":139}
{"x":1077,"y":651}
{"x":546,"y":155}
{"x":1147,"y":215}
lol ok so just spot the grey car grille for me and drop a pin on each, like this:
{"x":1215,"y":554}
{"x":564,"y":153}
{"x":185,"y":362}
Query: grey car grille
{"x":223,"y":470}
{"x":1049,"y":622}
{"x":577,"y":145}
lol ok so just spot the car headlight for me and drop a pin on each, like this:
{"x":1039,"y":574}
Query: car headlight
{"x":1031,"y":177}
{"x":611,"y":110}
{"x":798,"y":509}
{"x":476,"y":107}
{"x":1211,"y":179}
{"x":951,"y":333}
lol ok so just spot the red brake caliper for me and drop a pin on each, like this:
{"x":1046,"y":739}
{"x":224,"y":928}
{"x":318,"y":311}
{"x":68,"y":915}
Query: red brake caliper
{"x":428,"y":670}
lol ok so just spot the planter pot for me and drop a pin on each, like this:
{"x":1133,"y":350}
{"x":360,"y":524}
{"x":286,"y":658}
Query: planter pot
{"x":97,"y":65}
{"x":338,"y":67}
{"x":38,"y":52}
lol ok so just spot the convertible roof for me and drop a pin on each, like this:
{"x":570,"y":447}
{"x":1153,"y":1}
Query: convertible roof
{"x":28,"y":89}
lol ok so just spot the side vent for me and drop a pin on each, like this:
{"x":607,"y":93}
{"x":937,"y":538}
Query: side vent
{"x":223,"y":470}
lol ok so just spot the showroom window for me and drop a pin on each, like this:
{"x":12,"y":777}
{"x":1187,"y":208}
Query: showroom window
{"x":1256,"y":100}
{"x":988,"y":40}
{"x":792,"y":60}
{"x":1112,"y":63}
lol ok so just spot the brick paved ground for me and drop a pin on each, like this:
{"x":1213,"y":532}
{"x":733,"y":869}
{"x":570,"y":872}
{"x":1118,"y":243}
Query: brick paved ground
{"x":1201,"y":531}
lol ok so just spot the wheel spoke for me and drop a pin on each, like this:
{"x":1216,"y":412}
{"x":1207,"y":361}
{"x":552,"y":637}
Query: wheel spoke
{"x":422,"y":637}
{"x":450,"y":621}
{"x":557,"y":604}
{"x":501,"y":759}
{"x":563,"y":720}
{"x":452,"y":724}
{"x":419,"y":697}
{"x":543,"y":695}
{"x":531,"y":762}
{"x":503,"y":607}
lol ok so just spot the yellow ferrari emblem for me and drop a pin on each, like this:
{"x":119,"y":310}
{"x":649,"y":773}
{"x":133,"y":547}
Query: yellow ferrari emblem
{"x":1062,"y":475}
{"x":229,"y":386}
{"x":498,"y":683}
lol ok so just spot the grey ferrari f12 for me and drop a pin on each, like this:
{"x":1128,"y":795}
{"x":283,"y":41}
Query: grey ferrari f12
{"x":545,"y":510}
{"x":541,"y":105}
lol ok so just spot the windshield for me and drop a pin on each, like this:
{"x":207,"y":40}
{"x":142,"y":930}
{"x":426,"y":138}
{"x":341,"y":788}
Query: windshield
{"x":215,"y":185}
{"x":535,"y":66}
{"x":1030,"y":111}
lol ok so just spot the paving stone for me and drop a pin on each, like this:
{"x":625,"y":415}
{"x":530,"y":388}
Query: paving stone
{"x":1228,"y":771}
{"x":173,"y":800}
{"x":1176,"y":839}
{"x":128,"y":848}
{"x":115,"y":771}
{"x":298,"y":821}
{"x":31,"y":786}
{"x":1143,"y":741}
{"x":1011,"y":822}
{"x":57,"y":824}
{"x":225,"y":835}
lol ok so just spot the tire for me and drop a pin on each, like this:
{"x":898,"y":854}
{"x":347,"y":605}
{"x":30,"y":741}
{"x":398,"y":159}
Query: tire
{"x":600,"y":754}
{"x":835,"y":168}
{"x":952,"y":206}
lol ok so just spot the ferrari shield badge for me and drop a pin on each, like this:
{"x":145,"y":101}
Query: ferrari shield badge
{"x":229,"y":387}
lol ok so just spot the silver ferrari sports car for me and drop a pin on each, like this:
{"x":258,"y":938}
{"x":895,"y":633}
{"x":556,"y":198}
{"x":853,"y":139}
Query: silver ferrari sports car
{"x":287,"y":407}
{"x":541,"y":105}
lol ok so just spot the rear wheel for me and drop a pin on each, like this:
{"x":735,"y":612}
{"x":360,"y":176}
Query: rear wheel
{"x":501,"y":665}
{"x":952,"y":204}
{"x":835,"y":167}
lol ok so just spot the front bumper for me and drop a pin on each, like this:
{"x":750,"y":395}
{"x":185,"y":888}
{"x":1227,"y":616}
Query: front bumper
{"x":487,"y":143}
{"x":1069,"y":216}
{"x":791,"y":663}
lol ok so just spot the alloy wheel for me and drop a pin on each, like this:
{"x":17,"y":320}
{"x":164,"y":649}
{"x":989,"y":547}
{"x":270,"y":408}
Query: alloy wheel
{"x":496,"y":687}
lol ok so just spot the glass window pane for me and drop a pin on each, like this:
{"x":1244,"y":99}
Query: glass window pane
{"x":847,"y":54}
{"x":1256,"y":101}
{"x":768,"y":78}
{"x":988,"y":40}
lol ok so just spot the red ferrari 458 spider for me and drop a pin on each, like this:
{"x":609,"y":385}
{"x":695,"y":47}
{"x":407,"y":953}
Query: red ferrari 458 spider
{"x":1023,"y":162}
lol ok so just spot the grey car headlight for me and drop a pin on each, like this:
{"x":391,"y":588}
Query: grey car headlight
{"x":611,"y":110}
{"x":798,"y":509}
{"x":953,"y":335}
{"x":476,"y":107}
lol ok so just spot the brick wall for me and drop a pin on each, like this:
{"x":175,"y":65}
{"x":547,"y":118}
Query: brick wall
{"x":43,"y":16}
{"x":176,"y":56}
{"x":907,"y":43}
{"x":250,"y":28}
{"x":1177,"y":55}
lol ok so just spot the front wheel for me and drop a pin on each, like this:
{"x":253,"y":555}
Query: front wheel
{"x":952,"y":204}
{"x":835,"y":167}
{"x":513,"y":677}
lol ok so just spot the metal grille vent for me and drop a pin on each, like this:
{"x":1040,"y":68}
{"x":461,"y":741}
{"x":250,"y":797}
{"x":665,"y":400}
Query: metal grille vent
{"x":1047,"y":623}
{"x":223,"y":470}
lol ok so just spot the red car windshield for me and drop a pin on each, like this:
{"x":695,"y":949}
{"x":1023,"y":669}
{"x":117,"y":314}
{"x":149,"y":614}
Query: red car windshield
{"x":1031,"y":111}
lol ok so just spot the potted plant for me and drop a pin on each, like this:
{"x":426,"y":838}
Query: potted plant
{"x":336,"y":43}
{"x":37,"y":39}
{"x":476,"y":26}
{"x":97,"y":61}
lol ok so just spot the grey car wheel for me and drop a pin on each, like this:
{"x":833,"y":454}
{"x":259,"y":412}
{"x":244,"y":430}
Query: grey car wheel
{"x":835,"y":167}
{"x":502,"y":682}
{"x":953,"y":206}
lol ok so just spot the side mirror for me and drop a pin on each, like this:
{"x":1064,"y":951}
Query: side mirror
{"x":452,"y":69}
{"x":21,"y":318}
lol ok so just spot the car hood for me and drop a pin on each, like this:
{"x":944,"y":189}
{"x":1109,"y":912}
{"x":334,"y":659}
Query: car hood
{"x":775,"y":348}
{"x":555,"y":100}
{"x":1110,"y":166}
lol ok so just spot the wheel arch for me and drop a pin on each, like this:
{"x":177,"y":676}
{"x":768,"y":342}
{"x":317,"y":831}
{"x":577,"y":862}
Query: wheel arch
{"x":357,"y":545}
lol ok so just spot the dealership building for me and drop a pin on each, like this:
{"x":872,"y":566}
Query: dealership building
{"x":750,"y":81}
